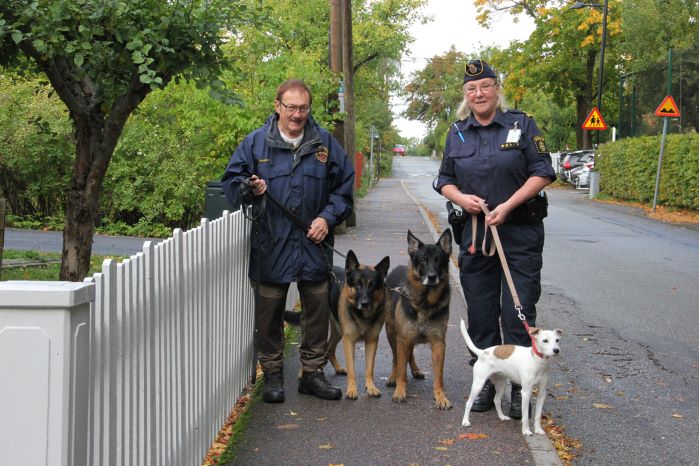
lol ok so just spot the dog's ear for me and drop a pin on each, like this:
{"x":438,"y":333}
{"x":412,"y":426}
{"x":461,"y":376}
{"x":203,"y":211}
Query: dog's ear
{"x":534,"y":331}
{"x":445,"y":241}
{"x":383,"y":266}
{"x":559,"y":332}
{"x":413,"y":244}
{"x":351,"y":262}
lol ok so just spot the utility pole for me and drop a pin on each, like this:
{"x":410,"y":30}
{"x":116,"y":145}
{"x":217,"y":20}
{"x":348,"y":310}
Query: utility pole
{"x":349,"y":81}
{"x":336,"y":60}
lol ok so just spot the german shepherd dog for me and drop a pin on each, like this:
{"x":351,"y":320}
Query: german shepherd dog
{"x":419,"y":313}
{"x":357,"y":314}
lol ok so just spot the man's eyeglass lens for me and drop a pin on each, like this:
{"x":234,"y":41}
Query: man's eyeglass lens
{"x":292,"y":109}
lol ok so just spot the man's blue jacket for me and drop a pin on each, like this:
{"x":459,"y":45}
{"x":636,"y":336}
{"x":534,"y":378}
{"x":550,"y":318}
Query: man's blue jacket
{"x":314,"y":180}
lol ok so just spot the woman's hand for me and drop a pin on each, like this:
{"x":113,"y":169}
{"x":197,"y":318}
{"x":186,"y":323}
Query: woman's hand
{"x":499,"y":215}
{"x":470,"y":203}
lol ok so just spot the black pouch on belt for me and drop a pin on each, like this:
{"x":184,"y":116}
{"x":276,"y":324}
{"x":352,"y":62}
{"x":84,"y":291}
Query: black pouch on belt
{"x":532,"y":211}
{"x":456,"y":219}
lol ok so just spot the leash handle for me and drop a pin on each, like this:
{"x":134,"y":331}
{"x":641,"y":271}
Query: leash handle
{"x":504,"y":263}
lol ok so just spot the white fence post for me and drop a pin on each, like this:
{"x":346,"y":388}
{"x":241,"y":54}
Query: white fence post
{"x":44,"y":368}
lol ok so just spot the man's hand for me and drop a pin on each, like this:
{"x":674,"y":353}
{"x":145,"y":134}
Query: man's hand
{"x":318,"y":230}
{"x":257,"y":185}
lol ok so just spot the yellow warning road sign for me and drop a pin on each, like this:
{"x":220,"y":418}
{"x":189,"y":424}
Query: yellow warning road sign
{"x":594,"y":121}
{"x":668,"y":108}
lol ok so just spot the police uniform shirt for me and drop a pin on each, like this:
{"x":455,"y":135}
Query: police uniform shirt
{"x":488,"y":162}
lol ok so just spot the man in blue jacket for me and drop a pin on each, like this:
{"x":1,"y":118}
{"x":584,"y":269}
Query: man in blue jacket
{"x":304,"y":168}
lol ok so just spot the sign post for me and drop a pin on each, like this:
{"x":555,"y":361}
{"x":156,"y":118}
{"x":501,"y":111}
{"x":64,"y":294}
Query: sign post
{"x":594,"y":121}
{"x":667,"y":109}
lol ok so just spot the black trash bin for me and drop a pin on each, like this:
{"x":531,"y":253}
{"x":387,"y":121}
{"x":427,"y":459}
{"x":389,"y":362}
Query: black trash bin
{"x":215,"y":201}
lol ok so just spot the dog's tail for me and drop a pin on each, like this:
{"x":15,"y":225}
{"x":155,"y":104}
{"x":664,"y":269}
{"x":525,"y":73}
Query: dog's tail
{"x":468,"y":340}
{"x":292,"y":318}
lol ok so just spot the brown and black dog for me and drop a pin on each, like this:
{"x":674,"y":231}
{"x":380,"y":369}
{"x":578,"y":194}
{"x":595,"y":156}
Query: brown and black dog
{"x":358,"y":301}
{"x":419,"y":313}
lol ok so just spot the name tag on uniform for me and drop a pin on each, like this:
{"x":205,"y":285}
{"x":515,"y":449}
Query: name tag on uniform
{"x":513,"y":136}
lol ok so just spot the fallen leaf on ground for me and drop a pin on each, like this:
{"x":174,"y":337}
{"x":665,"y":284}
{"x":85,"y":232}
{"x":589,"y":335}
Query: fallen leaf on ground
{"x":471,"y":436}
{"x":288,"y":426}
{"x":677,"y":416}
{"x":602,"y":406}
{"x":326,"y":446}
{"x":442,"y":448}
{"x":321,"y":418}
{"x":291,"y":413}
{"x":448,"y":441}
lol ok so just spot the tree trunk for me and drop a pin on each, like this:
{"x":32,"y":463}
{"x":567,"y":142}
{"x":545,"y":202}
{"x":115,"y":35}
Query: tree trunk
{"x":83,"y":200}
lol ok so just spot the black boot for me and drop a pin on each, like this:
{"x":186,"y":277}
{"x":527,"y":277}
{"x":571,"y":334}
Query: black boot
{"x":484,"y":400}
{"x":516,"y":402}
{"x":273,"y":388}
{"x":315,"y":383}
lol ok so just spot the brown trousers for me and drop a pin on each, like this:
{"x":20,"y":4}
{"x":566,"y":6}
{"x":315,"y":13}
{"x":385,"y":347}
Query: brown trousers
{"x":269,"y":325}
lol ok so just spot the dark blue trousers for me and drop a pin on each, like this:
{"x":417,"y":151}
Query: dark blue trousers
{"x":490,"y":305}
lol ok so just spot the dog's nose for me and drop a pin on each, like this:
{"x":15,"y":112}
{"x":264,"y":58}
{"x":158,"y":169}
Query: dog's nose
{"x":556,"y":350}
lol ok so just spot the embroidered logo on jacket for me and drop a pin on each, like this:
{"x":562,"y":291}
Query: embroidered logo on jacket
{"x":540,"y":144}
{"x":322,"y":155}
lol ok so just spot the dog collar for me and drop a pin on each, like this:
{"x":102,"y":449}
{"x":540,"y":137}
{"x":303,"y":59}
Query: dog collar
{"x":534,"y":344}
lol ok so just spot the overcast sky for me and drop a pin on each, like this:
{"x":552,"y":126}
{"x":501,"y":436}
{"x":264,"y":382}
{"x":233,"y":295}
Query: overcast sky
{"x":454,"y":23}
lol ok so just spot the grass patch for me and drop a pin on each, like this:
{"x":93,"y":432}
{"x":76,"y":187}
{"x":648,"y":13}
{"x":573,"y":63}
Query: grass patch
{"x":49,"y":271}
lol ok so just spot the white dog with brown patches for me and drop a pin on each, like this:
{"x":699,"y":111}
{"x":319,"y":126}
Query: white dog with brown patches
{"x":528,"y":367}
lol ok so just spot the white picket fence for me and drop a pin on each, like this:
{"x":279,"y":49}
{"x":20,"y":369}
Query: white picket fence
{"x":139,"y":365}
{"x":172,"y":346}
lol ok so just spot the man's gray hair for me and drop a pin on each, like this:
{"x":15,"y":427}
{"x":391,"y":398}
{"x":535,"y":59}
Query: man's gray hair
{"x":464,"y":111}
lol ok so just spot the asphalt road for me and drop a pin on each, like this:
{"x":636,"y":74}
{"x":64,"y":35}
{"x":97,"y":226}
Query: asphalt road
{"x":624,"y":289}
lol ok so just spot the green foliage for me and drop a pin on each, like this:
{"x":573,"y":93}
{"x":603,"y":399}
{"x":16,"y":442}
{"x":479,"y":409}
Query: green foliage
{"x":628,"y":170}
{"x":36,"y":146}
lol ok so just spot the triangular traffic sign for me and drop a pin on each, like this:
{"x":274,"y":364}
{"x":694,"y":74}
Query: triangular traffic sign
{"x":668,"y":108}
{"x":594,"y":121}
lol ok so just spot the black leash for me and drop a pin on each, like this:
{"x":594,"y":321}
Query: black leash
{"x":303,"y":226}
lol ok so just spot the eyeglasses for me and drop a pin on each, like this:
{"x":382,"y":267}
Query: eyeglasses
{"x":292,"y":109}
{"x":486,"y":88}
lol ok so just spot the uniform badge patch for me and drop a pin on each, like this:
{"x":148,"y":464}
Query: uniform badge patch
{"x":322,"y":155}
{"x":540,"y":144}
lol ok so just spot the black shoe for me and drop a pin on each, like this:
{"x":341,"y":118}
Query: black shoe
{"x":516,"y":403}
{"x":273,"y":391}
{"x":484,"y":400}
{"x":315,"y":383}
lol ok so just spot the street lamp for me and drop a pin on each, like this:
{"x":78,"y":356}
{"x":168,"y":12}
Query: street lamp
{"x":604,"y":6}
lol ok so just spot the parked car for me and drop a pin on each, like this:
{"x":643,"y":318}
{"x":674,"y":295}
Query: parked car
{"x":579,"y":176}
{"x":573,"y":160}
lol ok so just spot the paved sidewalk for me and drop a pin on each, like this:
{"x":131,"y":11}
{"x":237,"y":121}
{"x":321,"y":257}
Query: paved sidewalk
{"x":308,"y":431}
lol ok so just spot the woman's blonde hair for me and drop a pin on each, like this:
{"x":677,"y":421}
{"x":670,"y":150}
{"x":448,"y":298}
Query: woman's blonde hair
{"x":464,"y":111}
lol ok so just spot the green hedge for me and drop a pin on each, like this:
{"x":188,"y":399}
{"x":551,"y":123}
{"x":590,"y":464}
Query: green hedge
{"x":628,"y":170}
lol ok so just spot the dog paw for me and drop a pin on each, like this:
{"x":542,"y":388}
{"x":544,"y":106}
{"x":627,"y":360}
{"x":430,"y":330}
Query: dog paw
{"x":443,"y":403}
{"x":399,"y":397}
{"x":341,"y":371}
{"x":418,"y":375}
{"x":466,"y":423}
{"x":539,"y":431}
{"x":504,"y":418}
{"x":351,"y":394}
{"x":527,"y":433}
{"x":391,"y":382}
{"x":373,"y":391}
